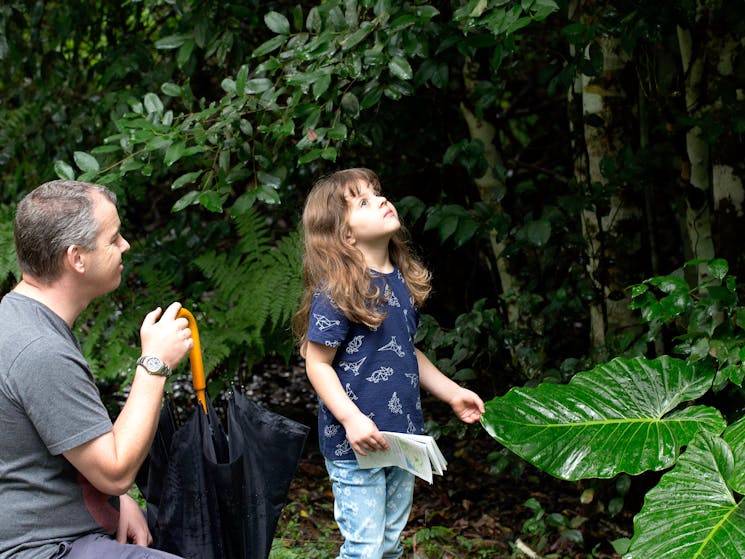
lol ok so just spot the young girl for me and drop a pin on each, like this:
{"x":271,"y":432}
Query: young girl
{"x":356,"y":326}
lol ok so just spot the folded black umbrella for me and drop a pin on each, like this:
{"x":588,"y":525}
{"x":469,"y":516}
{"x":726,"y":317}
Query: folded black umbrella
{"x":217,"y":495}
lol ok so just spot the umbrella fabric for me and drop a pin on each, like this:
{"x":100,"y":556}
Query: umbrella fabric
{"x":269,"y":466}
{"x":151,"y":475}
{"x":215,"y":495}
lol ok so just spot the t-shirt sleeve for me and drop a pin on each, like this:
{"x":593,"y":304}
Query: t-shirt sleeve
{"x":58,"y":394}
{"x":327,"y":325}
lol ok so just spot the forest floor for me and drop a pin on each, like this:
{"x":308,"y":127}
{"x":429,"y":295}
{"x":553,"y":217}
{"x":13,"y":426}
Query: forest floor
{"x":469,"y":512}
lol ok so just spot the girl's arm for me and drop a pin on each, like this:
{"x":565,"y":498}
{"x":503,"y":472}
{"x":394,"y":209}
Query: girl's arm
{"x":466,"y":404}
{"x":362,"y":433}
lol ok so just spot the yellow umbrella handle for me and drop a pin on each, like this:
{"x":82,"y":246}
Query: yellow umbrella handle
{"x":195,"y":358}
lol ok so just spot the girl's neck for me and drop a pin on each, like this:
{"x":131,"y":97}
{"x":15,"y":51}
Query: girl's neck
{"x":378,"y":259}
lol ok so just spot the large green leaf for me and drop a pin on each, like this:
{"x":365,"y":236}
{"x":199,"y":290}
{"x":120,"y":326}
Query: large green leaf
{"x":692,"y":513}
{"x":621,"y":416}
{"x":735,"y":438}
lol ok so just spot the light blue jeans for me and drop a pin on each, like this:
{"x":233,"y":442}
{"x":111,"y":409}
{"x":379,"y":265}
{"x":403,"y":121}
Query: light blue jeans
{"x":371,"y":508}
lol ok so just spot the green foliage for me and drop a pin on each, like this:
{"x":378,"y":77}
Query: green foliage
{"x":304,"y":85}
{"x":8,"y":263}
{"x":708,"y":318}
{"x":702,"y":494}
{"x":541,"y":525}
{"x":245,"y":311}
{"x":470,"y":345}
{"x":291,"y":542}
{"x":635,"y":415}
{"x":440,"y":541}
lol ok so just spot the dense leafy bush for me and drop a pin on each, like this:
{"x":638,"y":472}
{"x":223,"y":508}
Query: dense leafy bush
{"x":633,"y":415}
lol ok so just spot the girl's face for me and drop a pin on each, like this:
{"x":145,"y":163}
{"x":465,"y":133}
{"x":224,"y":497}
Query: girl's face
{"x":371,"y":218}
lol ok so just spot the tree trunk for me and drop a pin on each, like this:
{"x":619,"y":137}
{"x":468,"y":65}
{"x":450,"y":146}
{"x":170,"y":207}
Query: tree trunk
{"x":601,"y":111}
{"x":695,"y":171}
{"x":490,"y":188}
{"x":708,"y":57}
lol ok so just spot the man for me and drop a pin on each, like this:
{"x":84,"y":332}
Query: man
{"x":65,"y":468}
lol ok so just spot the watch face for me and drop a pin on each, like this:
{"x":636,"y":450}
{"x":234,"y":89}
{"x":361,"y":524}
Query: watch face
{"x":153,"y":364}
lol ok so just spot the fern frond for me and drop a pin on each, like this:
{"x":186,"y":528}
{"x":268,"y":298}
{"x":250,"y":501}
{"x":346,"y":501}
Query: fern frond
{"x":253,"y":234}
{"x":8,"y":261}
{"x":282,"y":277}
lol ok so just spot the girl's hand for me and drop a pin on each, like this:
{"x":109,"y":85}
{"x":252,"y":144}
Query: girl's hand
{"x":467,"y":405}
{"x":363,"y":434}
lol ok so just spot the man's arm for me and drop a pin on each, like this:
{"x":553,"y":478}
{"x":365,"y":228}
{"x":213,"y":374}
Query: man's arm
{"x":110,"y":462}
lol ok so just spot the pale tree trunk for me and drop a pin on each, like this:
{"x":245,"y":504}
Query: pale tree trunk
{"x":600,"y":112}
{"x":729,"y":199}
{"x":708,"y":56}
{"x":696,"y":170}
{"x":491,"y":188}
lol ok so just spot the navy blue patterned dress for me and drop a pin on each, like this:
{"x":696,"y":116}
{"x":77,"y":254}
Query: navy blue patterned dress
{"x":377,"y":367}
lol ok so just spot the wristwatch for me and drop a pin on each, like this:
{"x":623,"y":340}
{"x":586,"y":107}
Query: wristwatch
{"x":154,"y":366}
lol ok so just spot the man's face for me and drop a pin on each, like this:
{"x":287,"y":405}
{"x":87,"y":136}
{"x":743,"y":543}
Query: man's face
{"x":104,"y":263}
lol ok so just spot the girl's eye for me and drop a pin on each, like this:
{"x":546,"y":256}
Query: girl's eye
{"x":363,"y":203}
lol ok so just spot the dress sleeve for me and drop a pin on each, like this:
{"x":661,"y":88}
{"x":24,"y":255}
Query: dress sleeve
{"x":327,"y":324}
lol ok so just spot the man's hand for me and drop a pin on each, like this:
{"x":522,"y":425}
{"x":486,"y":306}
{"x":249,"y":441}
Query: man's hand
{"x":168,"y":338}
{"x":132,"y":523}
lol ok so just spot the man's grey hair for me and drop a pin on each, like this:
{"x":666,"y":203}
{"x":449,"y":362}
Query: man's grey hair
{"x":51,"y":218}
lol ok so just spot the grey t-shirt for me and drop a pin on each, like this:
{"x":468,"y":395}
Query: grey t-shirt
{"x":49,"y":404}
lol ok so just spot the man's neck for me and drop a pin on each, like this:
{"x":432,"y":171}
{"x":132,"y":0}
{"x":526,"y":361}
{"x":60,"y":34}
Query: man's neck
{"x":57,"y":296}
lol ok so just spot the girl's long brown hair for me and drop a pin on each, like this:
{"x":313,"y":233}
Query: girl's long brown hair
{"x":333,"y":264}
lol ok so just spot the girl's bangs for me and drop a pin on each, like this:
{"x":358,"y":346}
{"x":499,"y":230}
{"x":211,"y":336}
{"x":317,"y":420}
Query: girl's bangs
{"x":357,"y":182}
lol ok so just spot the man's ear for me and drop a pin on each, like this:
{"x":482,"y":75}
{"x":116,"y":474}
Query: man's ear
{"x":75,"y":259}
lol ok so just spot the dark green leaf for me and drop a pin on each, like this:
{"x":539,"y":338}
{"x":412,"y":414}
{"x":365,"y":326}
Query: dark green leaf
{"x":185,"y":179}
{"x":86,"y":162}
{"x":538,"y":232}
{"x":277,"y":23}
{"x":174,"y":152}
{"x":186,"y":200}
{"x":269,"y":46}
{"x":271,"y":181}
{"x":321,"y":85}
{"x":64,"y":170}
{"x":719,"y":268}
{"x":358,"y":36}
{"x":350,"y":103}
{"x":400,"y":68}
{"x":211,"y":200}
{"x":171,"y":42}
{"x":240,"y":80}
